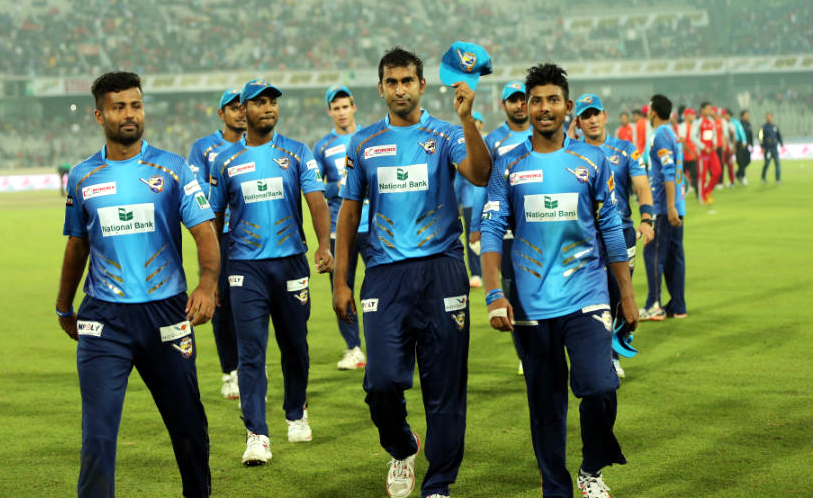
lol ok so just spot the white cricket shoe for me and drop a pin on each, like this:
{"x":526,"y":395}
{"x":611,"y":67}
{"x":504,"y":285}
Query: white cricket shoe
{"x":438,"y":495}
{"x":618,"y":370}
{"x":593,"y":486}
{"x":230,"y":389}
{"x":298,"y":430}
{"x":475,"y":282}
{"x":352,"y":359}
{"x":653,"y":314}
{"x":258,"y":450}
{"x":401,"y":477}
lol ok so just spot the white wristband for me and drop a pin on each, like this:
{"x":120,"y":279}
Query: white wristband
{"x":499,"y":312}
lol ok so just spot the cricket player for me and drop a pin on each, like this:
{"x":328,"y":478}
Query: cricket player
{"x":330,"y":152}
{"x":547,"y":190}
{"x":124,"y":210}
{"x":201,"y":156}
{"x":629,"y":173}
{"x":709,"y":169}
{"x":261,"y":179}
{"x":414,"y":298}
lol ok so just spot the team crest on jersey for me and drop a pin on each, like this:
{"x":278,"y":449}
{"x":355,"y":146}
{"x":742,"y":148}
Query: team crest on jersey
{"x":467,"y":60}
{"x":282,"y":162}
{"x":429,"y":146}
{"x":581,"y":173}
{"x":459,"y":319}
{"x":302,"y":296}
{"x":185,"y":346}
{"x":614,"y":159}
{"x":155,"y":182}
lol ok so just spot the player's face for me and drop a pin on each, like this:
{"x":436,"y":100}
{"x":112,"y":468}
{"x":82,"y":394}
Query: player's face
{"x":401,"y":89}
{"x":769,"y":118}
{"x":262,"y":113}
{"x":592,"y":123}
{"x":547,"y":107}
{"x":705,"y":111}
{"x":515,"y":109}
{"x":342,"y":110}
{"x":625,"y":119}
{"x":122,"y":116}
{"x":233,"y":116}
{"x":689,"y":118}
{"x":746,"y":116}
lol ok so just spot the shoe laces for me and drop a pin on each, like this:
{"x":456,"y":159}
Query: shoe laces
{"x":594,"y":485}
{"x":400,"y":468}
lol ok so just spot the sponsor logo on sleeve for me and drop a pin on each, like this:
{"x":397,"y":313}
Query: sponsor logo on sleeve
{"x":126,"y":220}
{"x":455,"y":303}
{"x":348,"y":163}
{"x":191,"y":187}
{"x":369,"y":305}
{"x":69,"y":201}
{"x":212,"y":157}
{"x":461,"y":140}
{"x":338,"y":149}
{"x":506,"y":148}
{"x":339,"y":163}
{"x":552,"y":207}
{"x":393,"y":179}
{"x":666,"y":156}
{"x":235,"y":280}
{"x":312,"y":164}
{"x":194,"y":169}
{"x":380,"y":150}
{"x":491,"y":206}
{"x":202,"y":201}
{"x":532,"y":176}
{"x":89,"y":328}
{"x":239,"y":169}
{"x":155,"y":182}
{"x":297,"y":284}
{"x":264,"y":189}
{"x":98,"y":190}
{"x":176,"y":331}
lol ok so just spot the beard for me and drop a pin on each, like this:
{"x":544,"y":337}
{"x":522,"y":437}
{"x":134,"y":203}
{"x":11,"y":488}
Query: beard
{"x":239,"y":131}
{"x":516,"y":120}
{"x":125,"y":137}
{"x":263,"y":128}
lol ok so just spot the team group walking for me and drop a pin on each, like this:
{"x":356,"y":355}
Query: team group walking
{"x":548,"y":215}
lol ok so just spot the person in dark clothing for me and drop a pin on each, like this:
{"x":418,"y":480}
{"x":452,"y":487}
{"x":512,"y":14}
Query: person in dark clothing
{"x":770,"y":139}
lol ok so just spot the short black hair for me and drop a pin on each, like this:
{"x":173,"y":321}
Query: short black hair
{"x":114,"y":81}
{"x":398,"y":57}
{"x":546,"y":74}
{"x":624,"y":113}
{"x":704,"y":104}
{"x":661,"y":105}
{"x":743,"y":112}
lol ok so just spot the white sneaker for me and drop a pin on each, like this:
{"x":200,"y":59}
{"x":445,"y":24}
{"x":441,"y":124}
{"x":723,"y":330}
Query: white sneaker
{"x":593,"y":487}
{"x":475,"y":282}
{"x":401,"y":477}
{"x":258,"y":450}
{"x":618,"y":370}
{"x":352,"y":359}
{"x":653,"y":314}
{"x":230,"y":389}
{"x":438,"y":495}
{"x":298,"y":430}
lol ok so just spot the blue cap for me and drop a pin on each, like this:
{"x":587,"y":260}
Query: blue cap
{"x":332,"y":90}
{"x":588,"y":101}
{"x":464,"y":62}
{"x":478,"y":117}
{"x":256,"y":87}
{"x":622,"y":338}
{"x":228,"y":96}
{"x":511,"y":88}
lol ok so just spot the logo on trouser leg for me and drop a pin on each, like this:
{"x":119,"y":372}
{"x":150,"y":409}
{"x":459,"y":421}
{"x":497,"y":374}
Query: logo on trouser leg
{"x":606,"y":319}
{"x":302,"y":296}
{"x":459,"y":319}
{"x":185,"y":346}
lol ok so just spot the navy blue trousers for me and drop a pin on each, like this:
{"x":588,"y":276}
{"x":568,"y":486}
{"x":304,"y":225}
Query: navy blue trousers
{"x":222,"y":321}
{"x":666,"y":252}
{"x":155,"y":338}
{"x":772,"y":153}
{"x":419,"y":308}
{"x":277,"y":289}
{"x":541,"y":348}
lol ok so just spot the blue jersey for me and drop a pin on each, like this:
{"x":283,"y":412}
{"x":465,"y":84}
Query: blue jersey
{"x":663,"y":157}
{"x":680,"y":183}
{"x":499,"y":142}
{"x":131,"y":212}
{"x":261,"y":187}
{"x":330,"y":153}
{"x":626,"y":162}
{"x":549,"y":201}
{"x":408,"y":173}
{"x":202,"y":155}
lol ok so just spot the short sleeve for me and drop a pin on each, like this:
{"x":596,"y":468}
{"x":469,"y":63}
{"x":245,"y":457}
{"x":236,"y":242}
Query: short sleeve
{"x":310,"y":180}
{"x":354,"y":181}
{"x":195,"y":208}
{"x":75,"y":219}
{"x":217,"y":191}
{"x":495,"y":212}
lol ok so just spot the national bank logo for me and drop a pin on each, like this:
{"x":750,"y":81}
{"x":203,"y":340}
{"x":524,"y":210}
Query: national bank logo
{"x":552,"y":207}
{"x":395,"y":179}
{"x":265,"y":189}
{"x":126,"y":220}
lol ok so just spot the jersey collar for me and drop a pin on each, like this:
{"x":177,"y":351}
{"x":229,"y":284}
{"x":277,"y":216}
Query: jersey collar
{"x":422,"y":121}
{"x":144,"y":146}
{"x":243,"y":140}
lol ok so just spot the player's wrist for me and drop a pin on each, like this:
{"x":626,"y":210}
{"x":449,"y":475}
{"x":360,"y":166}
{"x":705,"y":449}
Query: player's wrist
{"x":64,"y":314}
{"x":494,"y":295}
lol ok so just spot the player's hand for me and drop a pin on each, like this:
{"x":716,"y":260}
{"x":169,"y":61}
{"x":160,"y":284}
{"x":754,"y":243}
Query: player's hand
{"x":217,"y":297}
{"x":68,"y":324}
{"x":323,"y":260}
{"x":501,"y":315}
{"x":463,"y":99}
{"x":343,"y":303}
{"x":674,"y":217}
{"x":200,"y":306}
{"x":646,"y":232}
{"x":629,"y":311}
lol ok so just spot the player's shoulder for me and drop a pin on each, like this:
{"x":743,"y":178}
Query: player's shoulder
{"x":442,"y":129}
{"x":324,"y":141}
{"x":229,"y":152}
{"x":205,"y":141}
{"x":498,"y":133}
{"x":165,"y":158}
{"x":366,"y":133}
{"x":86,"y":165}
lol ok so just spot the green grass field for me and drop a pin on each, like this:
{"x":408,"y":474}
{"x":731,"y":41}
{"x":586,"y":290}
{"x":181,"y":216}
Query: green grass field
{"x":718,"y":404}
